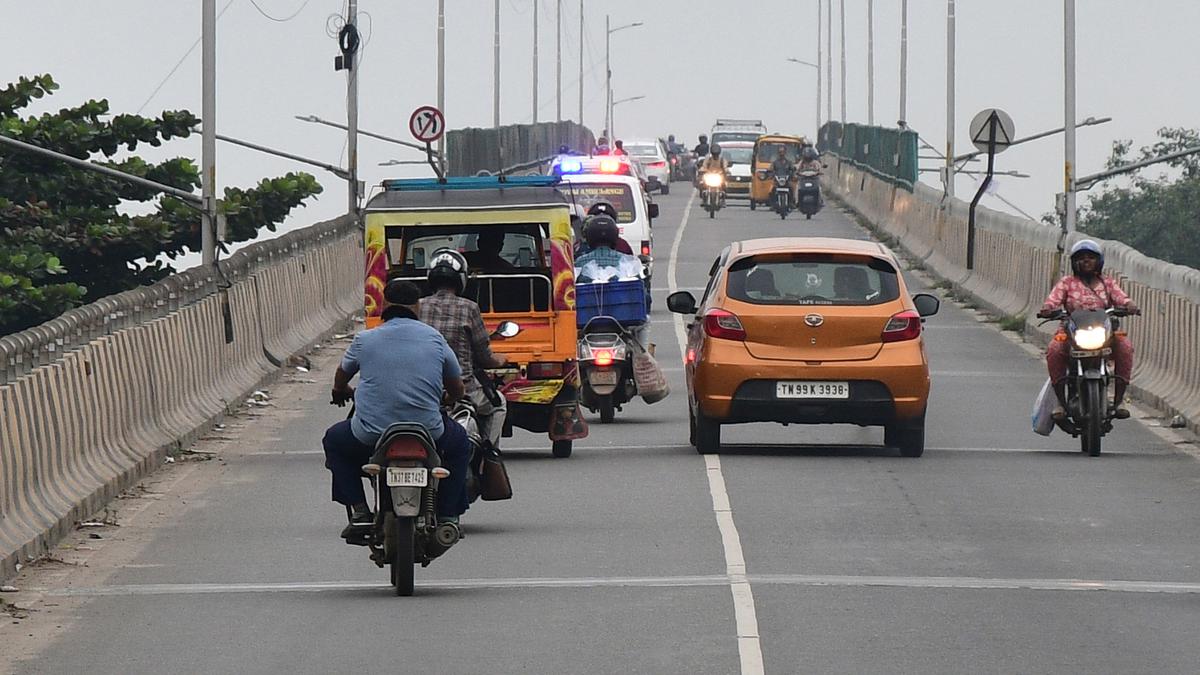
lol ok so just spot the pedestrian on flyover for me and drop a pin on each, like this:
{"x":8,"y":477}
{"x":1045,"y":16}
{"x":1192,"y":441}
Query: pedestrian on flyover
{"x":1086,"y":288}
{"x":404,"y":366}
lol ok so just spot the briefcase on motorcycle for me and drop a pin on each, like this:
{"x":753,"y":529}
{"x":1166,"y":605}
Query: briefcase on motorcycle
{"x":494,"y":484}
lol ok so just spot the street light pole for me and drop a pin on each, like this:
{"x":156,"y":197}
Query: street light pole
{"x":607,"y":78}
{"x":580,"y":62}
{"x":842,"y":12}
{"x":903,"y":63}
{"x":949,"y":178}
{"x":208,"y":143}
{"x":871,"y":62}
{"x":535,"y":60}
{"x":820,"y":56}
{"x":1069,"y":114}
{"x":441,"y":83}
{"x":496,"y":73}
{"x":829,"y":61}
{"x":558,"y":59}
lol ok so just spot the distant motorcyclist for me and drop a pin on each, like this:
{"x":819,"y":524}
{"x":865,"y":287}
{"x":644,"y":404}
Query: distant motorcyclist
{"x":1086,"y":288}
{"x":701,"y":148}
{"x":783,"y":166}
{"x":714,"y":163}
{"x":810,"y":160}
{"x":460,"y":322}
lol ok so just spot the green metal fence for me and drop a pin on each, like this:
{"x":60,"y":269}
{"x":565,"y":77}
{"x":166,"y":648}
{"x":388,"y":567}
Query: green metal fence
{"x":890,"y":154}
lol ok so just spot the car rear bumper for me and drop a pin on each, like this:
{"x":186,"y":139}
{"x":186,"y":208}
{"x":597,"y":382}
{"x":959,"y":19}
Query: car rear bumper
{"x":755,"y":401}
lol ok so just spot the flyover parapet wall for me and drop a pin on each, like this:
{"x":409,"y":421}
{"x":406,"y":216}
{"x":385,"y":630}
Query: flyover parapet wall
{"x":469,"y":151}
{"x":93,"y":400}
{"x":1017,"y":261}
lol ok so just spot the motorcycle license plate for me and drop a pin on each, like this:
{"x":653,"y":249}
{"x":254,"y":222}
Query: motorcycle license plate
{"x":812,"y":390}
{"x":407,"y":476}
{"x":602,"y":377}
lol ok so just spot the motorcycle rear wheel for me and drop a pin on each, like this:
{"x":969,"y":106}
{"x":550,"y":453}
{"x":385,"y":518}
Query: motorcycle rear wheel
{"x":1094,"y":409}
{"x":400,"y":542}
{"x":607,"y":410}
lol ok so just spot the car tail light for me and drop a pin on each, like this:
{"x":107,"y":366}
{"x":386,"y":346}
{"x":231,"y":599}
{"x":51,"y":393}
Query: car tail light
{"x":903,"y":326}
{"x":406,"y":447}
{"x":657,"y":165}
{"x":602,"y":357}
{"x":723,"y":324}
{"x":544,"y":370}
{"x":645,"y":247}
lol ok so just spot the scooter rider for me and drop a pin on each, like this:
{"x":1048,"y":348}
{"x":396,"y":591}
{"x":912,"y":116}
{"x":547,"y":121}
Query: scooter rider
{"x":1086,"y":288}
{"x":460,"y":322}
{"x":404,"y":366}
{"x":810,"y":160}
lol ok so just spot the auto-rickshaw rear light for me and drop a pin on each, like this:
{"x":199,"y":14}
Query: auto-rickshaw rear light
{"x":406,"y":447}
{"x":721,"y":323}
{"x":602,"y":357}
{"x":903,"y":326}
{"x":544,"y":370}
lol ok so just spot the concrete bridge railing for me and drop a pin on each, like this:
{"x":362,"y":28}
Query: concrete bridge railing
{"x":1017,"y":261}
{"x":93,"y":400}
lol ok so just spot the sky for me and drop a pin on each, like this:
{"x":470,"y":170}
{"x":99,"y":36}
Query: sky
{"x":693,"y":60}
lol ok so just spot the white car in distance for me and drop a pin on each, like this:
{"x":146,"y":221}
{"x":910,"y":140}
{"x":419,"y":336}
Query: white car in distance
{"x":651,"y":155}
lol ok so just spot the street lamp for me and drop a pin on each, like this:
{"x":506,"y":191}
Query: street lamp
{"x":818,"y":69}
{"x":608,"y":70}
{"x":614,"y":105}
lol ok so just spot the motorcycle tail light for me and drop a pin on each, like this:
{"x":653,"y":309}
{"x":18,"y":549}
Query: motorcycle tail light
{"x":1060,"y":337}
{"x":903,"y":326}
{"x":720,"y":323}
{"x":602,"y":357}
{"x":544,"y":370}
{"x":406,"y":447}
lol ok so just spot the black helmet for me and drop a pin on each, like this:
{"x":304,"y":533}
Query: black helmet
{"x":447,"y":267}
{"x":715,"y":150}
{"x":601,"y":230}
{"x":810,"y":153}
{"x":703,"y":138}
{"x":671,"y":138}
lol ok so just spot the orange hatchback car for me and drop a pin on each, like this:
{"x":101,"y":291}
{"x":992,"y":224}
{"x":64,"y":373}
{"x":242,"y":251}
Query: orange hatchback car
{"x":807,"y":331}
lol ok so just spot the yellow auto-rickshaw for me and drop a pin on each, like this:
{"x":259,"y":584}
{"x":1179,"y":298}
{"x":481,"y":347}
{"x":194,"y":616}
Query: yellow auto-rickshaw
{"x":516,"y":235}
{"x":766,"y":148}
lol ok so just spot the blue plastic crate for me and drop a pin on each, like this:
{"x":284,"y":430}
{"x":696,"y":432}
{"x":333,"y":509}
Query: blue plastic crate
{"x":624,"y":301}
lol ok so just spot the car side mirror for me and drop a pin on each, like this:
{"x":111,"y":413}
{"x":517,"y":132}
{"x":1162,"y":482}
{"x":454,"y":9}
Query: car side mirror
{"x":926,"y":304}
{"x":681,"y":302}
{"x":652,"y":209}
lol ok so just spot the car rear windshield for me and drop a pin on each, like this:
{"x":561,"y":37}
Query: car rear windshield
{"x":642,"y":150}
{"x":620,"y":196}
{"x":813,"y":279}
{"x":730,"y":136}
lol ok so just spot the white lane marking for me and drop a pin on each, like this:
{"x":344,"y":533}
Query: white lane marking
{"x":693,"y":581}
{"x":990,"y":374}
{"x":749,"y":645}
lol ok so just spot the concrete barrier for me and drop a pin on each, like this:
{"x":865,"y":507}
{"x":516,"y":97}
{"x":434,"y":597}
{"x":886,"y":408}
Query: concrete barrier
{"x":93,"y":400}
{"x":1019,"y":260}
{"x":469,"y":151}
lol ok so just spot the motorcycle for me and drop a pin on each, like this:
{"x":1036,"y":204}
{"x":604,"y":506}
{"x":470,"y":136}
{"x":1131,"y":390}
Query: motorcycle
{"x":606,"y":366}
{"x":782,"y":194}
{"x":712,"y":196}
{"x":808,"y":193}
{"x":1089,"y":374}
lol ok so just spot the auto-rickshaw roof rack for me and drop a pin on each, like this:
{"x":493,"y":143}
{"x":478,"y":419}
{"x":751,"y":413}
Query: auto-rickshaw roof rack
{"x":469,"y":182}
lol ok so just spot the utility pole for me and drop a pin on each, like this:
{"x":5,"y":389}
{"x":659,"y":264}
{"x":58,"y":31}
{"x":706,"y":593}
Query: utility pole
{"x":842,"y":11}
{"x":350,"y":61}
{"x":1069,"y":115}
{"x":871,"y":62}
{"x":208,"y":144}
{"x":607,"y":78}
{"x":948,"y":180}
{"x":558,"y":59}
{"x":441,"y":83}
{"x":535,"y":60}
{"x":820,"y":56}
{"x":903,"y":63}
{"x":496,"y":74}
{"x":580,"y":62}
{"x":829,"y":61}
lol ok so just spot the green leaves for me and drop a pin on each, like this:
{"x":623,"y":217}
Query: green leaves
{"x":64,"y":233}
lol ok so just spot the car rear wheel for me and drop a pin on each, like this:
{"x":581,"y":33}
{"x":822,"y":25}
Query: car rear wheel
{"x":666,"y":189}
{"x":753,"y":205}
{"x":707,"y":434}
{"x":909,"y":438}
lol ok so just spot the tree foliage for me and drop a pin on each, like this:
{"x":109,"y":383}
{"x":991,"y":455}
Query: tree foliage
{"x":1157,"y":214}
{"x":65,"y":234}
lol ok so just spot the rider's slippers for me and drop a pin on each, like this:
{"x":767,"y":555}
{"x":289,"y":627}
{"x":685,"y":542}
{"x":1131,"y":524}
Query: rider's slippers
{"x":1121,"y":413}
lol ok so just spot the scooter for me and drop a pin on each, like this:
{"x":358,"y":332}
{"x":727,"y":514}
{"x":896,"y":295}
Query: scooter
{"x":782,"y":194}
{"x":808,"y":193}
{"x":606,"y":367}
{"x":712,"y":194}
{"x":1089,"y":374}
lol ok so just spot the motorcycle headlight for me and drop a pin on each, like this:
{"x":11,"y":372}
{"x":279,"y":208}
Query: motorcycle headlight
{"x":713,"y":180}
{"x":1091,"y":338}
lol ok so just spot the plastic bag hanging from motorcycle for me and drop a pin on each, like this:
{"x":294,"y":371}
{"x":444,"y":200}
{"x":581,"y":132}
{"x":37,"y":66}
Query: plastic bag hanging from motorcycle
{"x":493,"y":480}
{"x":651,"y":382}
{"x":1043,"y":410}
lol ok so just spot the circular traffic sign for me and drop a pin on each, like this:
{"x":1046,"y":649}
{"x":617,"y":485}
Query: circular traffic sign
{"x":427,"y":124}
{"x":981,"y":129}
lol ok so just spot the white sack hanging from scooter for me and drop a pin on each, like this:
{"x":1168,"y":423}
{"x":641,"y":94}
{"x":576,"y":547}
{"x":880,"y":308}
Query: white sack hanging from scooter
{"x":651,"y":382}
{"x":1043,"y":410}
